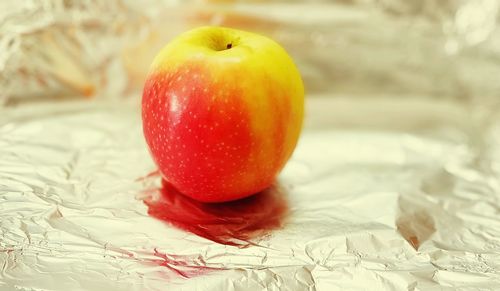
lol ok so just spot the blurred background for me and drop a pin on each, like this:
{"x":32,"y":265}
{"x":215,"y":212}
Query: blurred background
{"x":444,"y":49}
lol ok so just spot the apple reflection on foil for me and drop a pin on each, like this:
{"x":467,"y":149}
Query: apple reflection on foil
{"x":234,"y":223}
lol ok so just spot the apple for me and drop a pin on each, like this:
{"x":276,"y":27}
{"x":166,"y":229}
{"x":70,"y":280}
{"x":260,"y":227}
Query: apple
{"x":222,"y":111}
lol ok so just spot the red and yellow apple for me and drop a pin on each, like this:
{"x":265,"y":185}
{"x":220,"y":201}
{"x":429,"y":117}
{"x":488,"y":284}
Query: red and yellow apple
{"x":222,"y":111}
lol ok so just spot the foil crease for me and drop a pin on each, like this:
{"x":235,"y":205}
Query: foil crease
{"x":395,"y":183}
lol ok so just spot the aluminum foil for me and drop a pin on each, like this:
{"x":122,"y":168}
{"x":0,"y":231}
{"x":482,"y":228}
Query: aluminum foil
{"x":394,"y":185}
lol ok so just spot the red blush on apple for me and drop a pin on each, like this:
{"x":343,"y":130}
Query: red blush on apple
{"x":234,"y":223}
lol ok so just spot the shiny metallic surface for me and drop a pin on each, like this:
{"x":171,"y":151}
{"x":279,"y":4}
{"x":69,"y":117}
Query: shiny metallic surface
{"x":406,"y":205}
{"x":395,"y":183}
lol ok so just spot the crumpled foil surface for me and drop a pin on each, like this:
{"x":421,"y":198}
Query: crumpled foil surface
{"x":394,"y":185}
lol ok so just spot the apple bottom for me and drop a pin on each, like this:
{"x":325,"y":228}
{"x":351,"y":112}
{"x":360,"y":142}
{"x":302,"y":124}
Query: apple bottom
{"x":214,"y":197}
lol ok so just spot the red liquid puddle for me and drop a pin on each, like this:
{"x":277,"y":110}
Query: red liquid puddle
{"x":231,"y":223}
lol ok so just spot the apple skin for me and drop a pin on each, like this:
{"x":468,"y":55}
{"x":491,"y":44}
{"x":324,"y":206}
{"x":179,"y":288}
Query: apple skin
{"x":222,"y":111}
